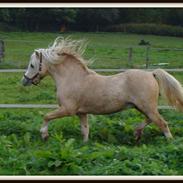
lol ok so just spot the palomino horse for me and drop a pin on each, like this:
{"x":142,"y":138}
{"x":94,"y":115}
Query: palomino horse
{"x":81,"y":91}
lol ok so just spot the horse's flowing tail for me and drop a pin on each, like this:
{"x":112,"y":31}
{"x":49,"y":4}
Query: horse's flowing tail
{"x":170,"y":88}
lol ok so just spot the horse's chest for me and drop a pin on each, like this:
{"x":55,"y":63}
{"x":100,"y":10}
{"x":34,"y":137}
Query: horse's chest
{"x":66,"y":96}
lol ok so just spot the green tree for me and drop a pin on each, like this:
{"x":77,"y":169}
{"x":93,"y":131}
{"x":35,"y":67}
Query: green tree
{"x":94,"y":19}
{"x":173,"y":16}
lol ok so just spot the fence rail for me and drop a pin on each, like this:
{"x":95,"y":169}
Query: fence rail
{"x":97,"y":70}
{"x":12,"y":70}
{"x":122,"y":70}
{"x":29,"y":106}
{"x":50,"y":106}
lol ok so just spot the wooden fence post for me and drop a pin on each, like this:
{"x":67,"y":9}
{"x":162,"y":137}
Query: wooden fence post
{"x":1,"y":50}
{"x":94,"y":51}
{"x":147,"y":56}
{"x":130,"y":57}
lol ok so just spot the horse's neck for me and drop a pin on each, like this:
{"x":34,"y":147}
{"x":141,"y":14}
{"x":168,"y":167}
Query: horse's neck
{"x":68,"y":72}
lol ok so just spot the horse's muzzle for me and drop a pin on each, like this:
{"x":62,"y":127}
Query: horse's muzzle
{"x":26,"y":82}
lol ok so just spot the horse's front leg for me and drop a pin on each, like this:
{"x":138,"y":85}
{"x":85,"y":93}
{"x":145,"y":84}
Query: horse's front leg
{"x":58,"y":113}
{"x":84,"y":126}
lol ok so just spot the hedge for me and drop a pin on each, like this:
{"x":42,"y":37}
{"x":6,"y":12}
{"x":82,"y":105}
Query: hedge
{"x":156,"y":29}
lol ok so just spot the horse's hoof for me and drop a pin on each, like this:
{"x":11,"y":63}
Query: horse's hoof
{"x":138,"y":134}
{"x":168,"y":135}
{"x":85,"y":141}
{"x":44,"y":137}
{"x":169,"y":139}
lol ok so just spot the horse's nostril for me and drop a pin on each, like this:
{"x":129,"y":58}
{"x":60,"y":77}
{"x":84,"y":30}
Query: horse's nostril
{"x":25,"y":82}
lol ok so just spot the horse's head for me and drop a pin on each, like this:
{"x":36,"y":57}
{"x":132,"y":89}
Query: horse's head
{"x":36,"y":70}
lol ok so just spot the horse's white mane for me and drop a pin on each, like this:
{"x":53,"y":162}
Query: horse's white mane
{"x":62,"y":45}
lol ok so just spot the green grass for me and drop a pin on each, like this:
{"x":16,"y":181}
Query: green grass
{"x":111,"y":149}
{"x":12,"y":91}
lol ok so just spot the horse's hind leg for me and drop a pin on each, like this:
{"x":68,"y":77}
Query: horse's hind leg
{"x":161,"y":123}
{"x":139,"y":129}
{"x":151,"y":112}
{"x":153,"y":115}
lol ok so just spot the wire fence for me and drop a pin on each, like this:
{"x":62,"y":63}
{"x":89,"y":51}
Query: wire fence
{"x":15,"y":54}
{"x":97,"y":70}
{"x":143,"y":57}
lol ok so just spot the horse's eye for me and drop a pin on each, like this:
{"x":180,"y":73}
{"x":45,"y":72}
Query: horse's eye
{"x":32,"y":66}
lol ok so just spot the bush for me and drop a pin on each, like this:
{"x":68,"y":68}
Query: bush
{"x":8,"y":28}
{"x":156,"y":29}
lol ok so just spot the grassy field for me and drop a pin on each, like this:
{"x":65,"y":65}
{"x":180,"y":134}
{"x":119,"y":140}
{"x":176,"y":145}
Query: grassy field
{"x":109,"y":50}
{"x":111,"y":149}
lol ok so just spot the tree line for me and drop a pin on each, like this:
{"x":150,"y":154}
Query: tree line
{"x":85,"y":19}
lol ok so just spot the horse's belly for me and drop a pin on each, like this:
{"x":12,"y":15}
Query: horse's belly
{"x":105,"y":108}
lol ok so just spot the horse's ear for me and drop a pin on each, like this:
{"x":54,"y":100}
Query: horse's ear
{"x":37,"y":53}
